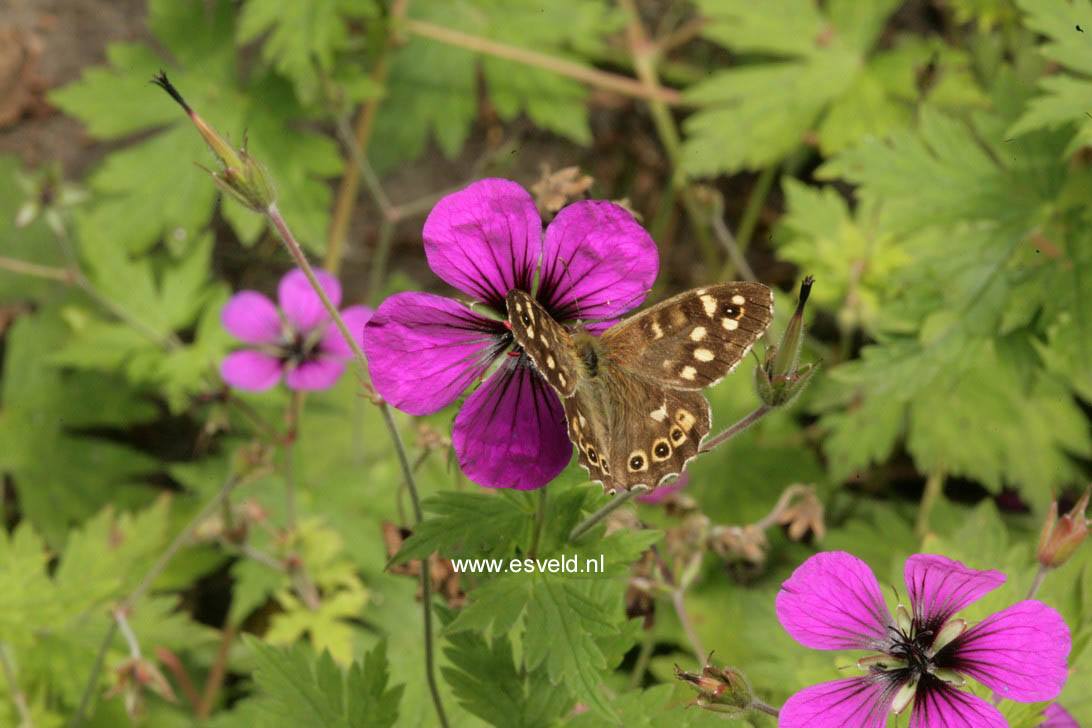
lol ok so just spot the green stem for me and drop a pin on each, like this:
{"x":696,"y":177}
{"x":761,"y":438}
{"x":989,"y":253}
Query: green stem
{"x":612,"y":505}
{"x":643,"y":658}
{"x":294,"y":249}
{"x":1038,"y":581}
{"x":585,"y":74}
{"x":645,"y":56}
{"x":540,"y":521}
{"x":934,"y":487}
{"x":295,"y":404}
{"x":145,"y":584}
{"x":379,"y":262}
{"x":749,"y":220}
{"x":735,"y":429}
{"x":677,"y":596}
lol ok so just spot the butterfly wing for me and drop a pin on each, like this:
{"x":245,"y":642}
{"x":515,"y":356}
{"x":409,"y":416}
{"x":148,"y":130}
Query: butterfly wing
{"x":630,"y":432}
{"x":545,"y":341}
{"x":691,"y":341}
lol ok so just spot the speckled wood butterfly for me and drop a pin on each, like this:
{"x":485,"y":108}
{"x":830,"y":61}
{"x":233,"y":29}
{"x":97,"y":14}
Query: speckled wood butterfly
{"x":631,"y":396}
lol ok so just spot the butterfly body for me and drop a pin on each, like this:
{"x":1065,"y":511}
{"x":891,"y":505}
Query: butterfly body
{"x":632,"y":396}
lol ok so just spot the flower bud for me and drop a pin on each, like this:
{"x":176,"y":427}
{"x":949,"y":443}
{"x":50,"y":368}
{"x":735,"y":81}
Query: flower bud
{"x":720,"y":690}
{"x":242,"y":176}
{"x":1060,"y":537}
{"x":780,"y":378}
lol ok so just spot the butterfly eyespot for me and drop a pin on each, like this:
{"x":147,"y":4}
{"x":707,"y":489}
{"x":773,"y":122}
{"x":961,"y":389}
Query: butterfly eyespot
{"x":592,"y":456}
{"x":603,"y":465}
{"x":661,"y":450}
{"x":685,"y":418}
{"x":637,"y":461}
{"x":525,"y":318}
{"x":677,"y":435}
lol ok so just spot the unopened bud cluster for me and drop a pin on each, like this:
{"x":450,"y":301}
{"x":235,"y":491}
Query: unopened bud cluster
{"x":241,"y":176}
{"x":1060,"y":537}
{"x":720,"y":690}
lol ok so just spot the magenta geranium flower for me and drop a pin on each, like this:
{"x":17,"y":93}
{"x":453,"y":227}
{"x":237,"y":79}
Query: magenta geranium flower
{"x":833,"y":602}
{"x":594,"y":262}
{"x":295,"y":339}
{"x":1058,"y":717}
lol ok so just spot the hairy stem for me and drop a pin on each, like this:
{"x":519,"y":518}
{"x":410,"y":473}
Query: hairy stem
{"x":677,"y":601}
{"x":274,"y":215}
{"x":735,"y":429}
{"x":586,"y":74}
{"x":1037,"y":581}
{"x":612,"y":505}
{"x":735,"y":255}
{"x":764,"y":707}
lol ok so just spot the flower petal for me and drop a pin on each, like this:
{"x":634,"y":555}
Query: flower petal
{"x":485,"y":240}
{"x":252,"y":318}
{"x":250,"y":370}
{"x":1019,"y":652}
{"x":833,"y":602}
{"x":314,"y":375}
{"x":861,"y":702}
{"x":942,"y":705}
{"x":301,"y":305}
{"x":658,"y":495}
{"x":597,"y":263}
{"x":940,"y":587}
{"x":1058,"y":717}
{"x":511,"y":431}
{"x":424,"y":350}
{"x":355,"y":318}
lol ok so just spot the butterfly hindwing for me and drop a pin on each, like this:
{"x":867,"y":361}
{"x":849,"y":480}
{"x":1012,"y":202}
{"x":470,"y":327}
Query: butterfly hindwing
{"x":692,"y":340}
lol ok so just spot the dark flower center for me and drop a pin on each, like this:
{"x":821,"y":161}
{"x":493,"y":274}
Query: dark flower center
{"x":914,"y":659}
{"x":298,"y":348}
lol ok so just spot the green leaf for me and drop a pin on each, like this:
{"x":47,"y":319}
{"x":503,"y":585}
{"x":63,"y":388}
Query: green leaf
{"x":470,"y":523}
{"x":303,"y":39}
{"x":755,"y":114}
{"x":152,"y":189}
{"x":41,"y":410}
{"x":302,"y":691}
{"x":432,"y":85}
{"x":488,"y":684}
{"x":568,"y":617}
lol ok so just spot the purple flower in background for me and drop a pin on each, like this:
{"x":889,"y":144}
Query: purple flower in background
{"x":594,"y":262}
{"x":660,"y":494}
{"x":833,"y":602}
{"x":1058,"y":717}
{"x":295,"y":338}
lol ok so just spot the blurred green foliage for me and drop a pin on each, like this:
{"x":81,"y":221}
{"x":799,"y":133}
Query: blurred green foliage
{"x":932,"y":173}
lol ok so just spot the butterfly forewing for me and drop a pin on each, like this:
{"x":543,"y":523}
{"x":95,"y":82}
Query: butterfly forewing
{"x":692,"y":340}
{"x":545,"y":341}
